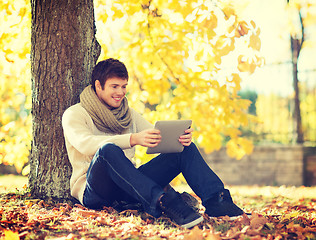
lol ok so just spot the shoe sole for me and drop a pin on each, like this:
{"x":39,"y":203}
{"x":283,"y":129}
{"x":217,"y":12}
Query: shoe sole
{"x":249,"y":215}
{"x":193,"y":223}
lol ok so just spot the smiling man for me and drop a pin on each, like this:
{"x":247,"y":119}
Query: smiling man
{"x":101,"y":133}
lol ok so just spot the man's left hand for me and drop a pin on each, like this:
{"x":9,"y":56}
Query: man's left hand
{"x":186,"y":138}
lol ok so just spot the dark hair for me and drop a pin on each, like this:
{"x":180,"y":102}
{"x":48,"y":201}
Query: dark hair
{"x":106,"y":69}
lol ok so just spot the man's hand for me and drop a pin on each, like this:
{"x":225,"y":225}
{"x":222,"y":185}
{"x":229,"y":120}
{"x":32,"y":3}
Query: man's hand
{"x":186,"y":138}
{"x":146,"y":138}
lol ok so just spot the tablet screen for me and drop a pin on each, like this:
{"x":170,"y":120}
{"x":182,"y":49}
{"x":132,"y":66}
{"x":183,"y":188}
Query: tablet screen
{"x":170,"y":132}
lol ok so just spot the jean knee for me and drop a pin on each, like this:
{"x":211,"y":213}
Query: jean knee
{"x":109,"y":148}
{"x":191,"y":147}
{"x":102,"y":157}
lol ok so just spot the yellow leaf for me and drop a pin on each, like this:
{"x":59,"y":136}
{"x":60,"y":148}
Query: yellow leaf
{"x":224,"y":45}
{"x":248,"y":64}
{"x":118,"y":14}
{"x":214,"y":236}
{"x":228,"y":11}
{"x":255,"y":42}
{"x":243,"y":65}
{"x":218,"y":59}
{"x":232,"y":132}
{"x":257,"y":222}
{"x":9,"y":235}
{"x":239,"y":147}
{"x":242,"y":28}
{"x":194,"y":234}
{"x":103,"y":17}
{"x":253,"y":24}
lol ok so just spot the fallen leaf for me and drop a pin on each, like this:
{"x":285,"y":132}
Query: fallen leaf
{"x":195,"y":234}
{"x":257,"y":222}
{"x":9,"y":235}
{"x":87,"y":213}
{"x":213,"y":236}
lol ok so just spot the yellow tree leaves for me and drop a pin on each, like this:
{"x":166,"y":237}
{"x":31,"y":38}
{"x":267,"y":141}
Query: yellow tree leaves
{"x":248,"y":64}
{"x":156,"y":89}
{"x":254,"y":41}
{"x":15,"y":22}
{"x":239,"y":147}
{"x":15,"y":91}
{"x":185,"y":58}
{"x":307,"y":9}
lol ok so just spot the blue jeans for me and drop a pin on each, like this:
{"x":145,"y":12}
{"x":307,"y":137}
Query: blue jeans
{"x":113,"y":177}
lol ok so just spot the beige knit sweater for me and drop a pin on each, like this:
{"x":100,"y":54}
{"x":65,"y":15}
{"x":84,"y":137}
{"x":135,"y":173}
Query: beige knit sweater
{"x":83,"y":140}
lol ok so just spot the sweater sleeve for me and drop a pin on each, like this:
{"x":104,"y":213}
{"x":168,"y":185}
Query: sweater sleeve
{"x":141,"y":122}
{"x":78,"y":131}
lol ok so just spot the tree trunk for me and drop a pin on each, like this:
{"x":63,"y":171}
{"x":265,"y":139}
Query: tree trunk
{"x":295,"y":46}
{"x":63,"y":53}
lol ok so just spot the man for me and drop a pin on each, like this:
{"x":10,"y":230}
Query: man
{"x":101,"y":133}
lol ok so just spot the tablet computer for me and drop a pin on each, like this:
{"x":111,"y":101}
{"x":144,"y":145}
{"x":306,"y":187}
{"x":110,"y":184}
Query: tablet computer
{"x":170,"y":131}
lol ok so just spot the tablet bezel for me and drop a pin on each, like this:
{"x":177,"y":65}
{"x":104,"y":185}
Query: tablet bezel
{"x":170,"y":131}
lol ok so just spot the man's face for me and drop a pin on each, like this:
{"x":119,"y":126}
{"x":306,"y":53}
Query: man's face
{"x":114,"y":91}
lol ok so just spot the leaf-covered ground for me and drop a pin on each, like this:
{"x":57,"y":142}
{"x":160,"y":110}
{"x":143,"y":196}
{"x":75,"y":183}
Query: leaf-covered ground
{"x":277,"y":213}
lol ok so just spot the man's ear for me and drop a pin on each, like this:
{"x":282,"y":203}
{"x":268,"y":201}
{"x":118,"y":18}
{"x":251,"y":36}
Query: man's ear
{"x":97,"y":85}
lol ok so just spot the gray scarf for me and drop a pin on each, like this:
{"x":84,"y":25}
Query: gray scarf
{"x":116,"y":120}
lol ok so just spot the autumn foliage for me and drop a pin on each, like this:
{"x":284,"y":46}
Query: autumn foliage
{"x":186,"y":59}
{"x":15,"y":83}
{"x":278,"y":216}
{"x":175,"y":52}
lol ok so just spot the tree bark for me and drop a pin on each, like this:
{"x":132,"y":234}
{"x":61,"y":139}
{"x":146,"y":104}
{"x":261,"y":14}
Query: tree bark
{"x":296,"y":46}
{"x":63,"y":53}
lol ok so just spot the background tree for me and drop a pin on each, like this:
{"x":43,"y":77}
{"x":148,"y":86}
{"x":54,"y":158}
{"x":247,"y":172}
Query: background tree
{"x":297,"y":39}
{"x":63,"y":53}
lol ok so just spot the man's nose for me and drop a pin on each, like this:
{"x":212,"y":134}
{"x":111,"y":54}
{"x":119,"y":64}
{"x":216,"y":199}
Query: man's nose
{"x":121,"y":92}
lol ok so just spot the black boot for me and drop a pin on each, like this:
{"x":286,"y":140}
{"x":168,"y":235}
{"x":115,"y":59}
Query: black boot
{"x":175,"y":208}
{"x":221,"y":205}
{"x":191,"y":201}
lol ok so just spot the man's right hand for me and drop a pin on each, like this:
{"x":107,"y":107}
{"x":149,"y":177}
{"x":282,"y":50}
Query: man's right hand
{"x":146,"y":138}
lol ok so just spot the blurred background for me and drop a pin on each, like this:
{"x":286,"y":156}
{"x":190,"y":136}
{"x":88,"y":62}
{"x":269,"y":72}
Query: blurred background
{"x":278,"y":77}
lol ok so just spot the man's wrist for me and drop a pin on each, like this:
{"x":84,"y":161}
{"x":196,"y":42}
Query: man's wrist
{"x":132,"y":140}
